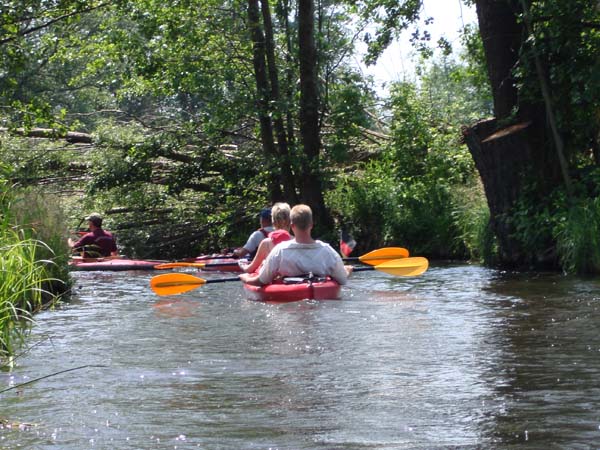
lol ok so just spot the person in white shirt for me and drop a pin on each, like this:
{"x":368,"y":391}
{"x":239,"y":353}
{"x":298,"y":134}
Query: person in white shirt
{"x":251,"y":245}
{"x":300,"y":256}
{"x":280,"y":216}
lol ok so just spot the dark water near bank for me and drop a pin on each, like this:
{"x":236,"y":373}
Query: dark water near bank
{"x":460,"y":358}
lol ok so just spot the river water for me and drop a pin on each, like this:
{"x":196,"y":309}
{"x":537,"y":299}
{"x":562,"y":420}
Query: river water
{"x":462,"y":357}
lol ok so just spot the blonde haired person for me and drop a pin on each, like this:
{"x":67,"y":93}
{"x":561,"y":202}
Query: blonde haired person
{"x":280,"y":216}
{"x":301,"y":255}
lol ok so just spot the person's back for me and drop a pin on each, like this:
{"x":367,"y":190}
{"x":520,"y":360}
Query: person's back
{"x":98,"y":242}
{"x":250,"y":248}
{"x":291,"y":258}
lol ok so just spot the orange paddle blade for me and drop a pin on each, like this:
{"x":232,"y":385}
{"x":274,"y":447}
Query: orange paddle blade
{"x":175,"y":283}
{"x":383,"y":255}
{"x":405,"y":267}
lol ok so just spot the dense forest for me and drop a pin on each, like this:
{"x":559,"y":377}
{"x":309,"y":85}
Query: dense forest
{"x":179,"y":120}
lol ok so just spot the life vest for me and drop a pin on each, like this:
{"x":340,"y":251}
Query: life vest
{"x":278,"y":236}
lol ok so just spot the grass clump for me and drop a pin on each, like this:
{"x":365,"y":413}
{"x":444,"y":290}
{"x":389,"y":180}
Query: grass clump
{"x":577,"y":238}
{"x":33,"y":256}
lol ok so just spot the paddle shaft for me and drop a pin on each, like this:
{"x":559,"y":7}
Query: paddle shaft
{"x":351,"y":259}
{"x":207,"y":258}
{"x":363,"y":268}
{"x":222,"y":280}
{"x":354,"y":259}
{"x":229,"y":264}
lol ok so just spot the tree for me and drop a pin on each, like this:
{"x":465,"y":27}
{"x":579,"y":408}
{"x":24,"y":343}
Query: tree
{"x":311,"y":187}
{"x":541,"y":59}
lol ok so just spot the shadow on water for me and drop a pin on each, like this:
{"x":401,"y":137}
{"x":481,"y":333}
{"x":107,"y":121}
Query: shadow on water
{"x":551,"y":359}
{"x":460,"y":357}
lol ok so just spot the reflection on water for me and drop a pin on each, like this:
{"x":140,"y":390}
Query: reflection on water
{"x":461,"y":357}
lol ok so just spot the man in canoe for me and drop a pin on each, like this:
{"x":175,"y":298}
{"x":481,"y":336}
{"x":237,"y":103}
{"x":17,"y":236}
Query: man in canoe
{"x":98,"y":242}
{"x":250,"y":247}
{"x":300,"y":256}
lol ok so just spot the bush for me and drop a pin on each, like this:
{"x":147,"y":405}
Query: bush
{"x":426,"y":215}
{"x":577,"y":238}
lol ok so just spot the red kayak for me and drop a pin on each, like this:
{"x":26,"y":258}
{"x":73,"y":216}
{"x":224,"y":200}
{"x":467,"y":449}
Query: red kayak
{"x":293,"y":290}
{"x":112,"y":264}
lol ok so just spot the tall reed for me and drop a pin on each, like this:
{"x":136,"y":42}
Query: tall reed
{"x":21,"y":287}
{"x":32,"y":273}
{"x":578,"y":239}
{"x":471,"y":217}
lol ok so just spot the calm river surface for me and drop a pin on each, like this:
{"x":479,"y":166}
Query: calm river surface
{"x":461,"y":357}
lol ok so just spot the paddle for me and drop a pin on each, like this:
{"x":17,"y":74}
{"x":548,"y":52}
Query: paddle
{"x":381,"y":255}
{"x":173,"y":265}
{"x":231,"y":256}
{"x":177,"y":283}
{"x":373,"y":258}
{"x":405,"y":267}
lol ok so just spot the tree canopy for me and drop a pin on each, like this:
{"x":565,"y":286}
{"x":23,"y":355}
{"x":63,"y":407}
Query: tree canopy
{"x":184,"y":118}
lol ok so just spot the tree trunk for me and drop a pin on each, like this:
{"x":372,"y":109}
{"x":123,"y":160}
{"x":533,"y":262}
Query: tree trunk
{"x":501,"y":34}
{"x":287,"y":176}
{"x":73,"y":137}
{"x":513,"y":150}
{"x":311,"y":185}
{"x":284,"y":14}
{"x":263,"y":98}
{"x":502,"y":160}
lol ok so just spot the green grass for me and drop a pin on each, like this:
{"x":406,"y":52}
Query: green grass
{"x":471,"y":217}
{"x":33,"y":256}
{"x":21,"y":287}
{"x":578,"y":239}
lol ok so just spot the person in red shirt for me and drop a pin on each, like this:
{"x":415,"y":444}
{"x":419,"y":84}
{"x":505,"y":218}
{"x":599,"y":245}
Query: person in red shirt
{"x":98,"y":242}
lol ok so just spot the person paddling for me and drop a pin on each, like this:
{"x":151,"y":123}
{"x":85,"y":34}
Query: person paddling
{"x":98,"y":242}
{"x":250,"y":247}
{"x":280,"y":217}
{"x":302,"y":255}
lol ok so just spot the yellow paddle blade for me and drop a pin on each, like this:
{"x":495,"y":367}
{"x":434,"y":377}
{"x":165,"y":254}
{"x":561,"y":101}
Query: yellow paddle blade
{"x":405,"y":267}
{"x":175,"y":283}
{"x":382,"y":255}
{"x":179,"y":264}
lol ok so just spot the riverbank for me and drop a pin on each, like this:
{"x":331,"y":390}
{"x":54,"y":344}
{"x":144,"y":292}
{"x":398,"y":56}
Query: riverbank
{"x":33,"y":262}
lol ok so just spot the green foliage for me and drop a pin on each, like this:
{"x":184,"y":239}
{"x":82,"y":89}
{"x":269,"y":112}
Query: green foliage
{"x":475,"y":69}
{"x":348,"y":95}
{"x":390,"y":17}
{"x":566,"y":39}
{"x":33,"y":260}
{"x":561,"y":229}
{"x":421,"y":192}
{"x":428,"y":217}
{"x":364,"y":201}
{"x":471,"y":217}
{"x":577,"y":237}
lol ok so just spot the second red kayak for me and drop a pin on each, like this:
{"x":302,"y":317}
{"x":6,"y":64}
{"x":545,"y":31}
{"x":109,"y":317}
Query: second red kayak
{"x":217,"y":263}
{"x":293,"y":290}
{"x":112,"y":264}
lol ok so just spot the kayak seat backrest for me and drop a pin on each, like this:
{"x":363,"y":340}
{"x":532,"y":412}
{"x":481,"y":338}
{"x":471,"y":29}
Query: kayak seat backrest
{"x":304,"y":279}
